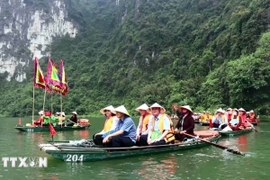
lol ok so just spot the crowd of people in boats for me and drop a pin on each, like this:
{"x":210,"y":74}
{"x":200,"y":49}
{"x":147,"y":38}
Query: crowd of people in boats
{"x":57,"y":119}
{"x":155,"y":127}
{"x":235,"y":118}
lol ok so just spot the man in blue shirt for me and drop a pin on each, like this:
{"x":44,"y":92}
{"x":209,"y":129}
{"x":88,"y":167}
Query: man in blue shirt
{"x":125,"y":134}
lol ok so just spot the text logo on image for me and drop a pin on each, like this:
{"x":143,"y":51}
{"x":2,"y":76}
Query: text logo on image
{"x":17,"y":162}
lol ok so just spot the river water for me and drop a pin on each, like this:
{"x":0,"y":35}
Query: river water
{"x":199,"y":164}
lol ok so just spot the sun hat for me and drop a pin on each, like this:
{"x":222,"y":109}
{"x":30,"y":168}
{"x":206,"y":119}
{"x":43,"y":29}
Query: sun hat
{"x":142,"y":107}
{"x":63,"y":114}
{"x":108,"y":108}
{"x":74,"y":112}
{"x":40,"y":112}
{"x":187,"y":107}
{"x":219,"y":110}
{"x":229,"y":109}
{"x":156,"y":105}
{"x":241,"y":109}
{"x":122,"y":109}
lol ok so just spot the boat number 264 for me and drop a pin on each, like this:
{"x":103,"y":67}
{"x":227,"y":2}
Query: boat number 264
{"x":74,"y":158}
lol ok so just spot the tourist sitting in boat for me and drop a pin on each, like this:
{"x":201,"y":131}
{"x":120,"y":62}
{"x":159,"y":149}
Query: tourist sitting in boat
{"x":242,"y":117}
{"x":125,"y":134}
{"x":228,"y":114}
{"x":160,"y":128}
{"x":184,"y":125}
{"x":142,"y":127}
{"x":73,"y":119}
{"x":235,"y":123}
{"x":252,"y":116}
{"x":109,"y":124}
{"x":39,"y":120}
{"x":62,"y":117}
{"x":219,"y":118}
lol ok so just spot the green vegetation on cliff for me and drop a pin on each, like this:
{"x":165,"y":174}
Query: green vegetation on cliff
{"x":207,"y":54}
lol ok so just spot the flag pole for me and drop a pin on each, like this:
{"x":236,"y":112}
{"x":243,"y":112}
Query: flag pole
{"x":44,"y":98}
{"x":33,"y":108}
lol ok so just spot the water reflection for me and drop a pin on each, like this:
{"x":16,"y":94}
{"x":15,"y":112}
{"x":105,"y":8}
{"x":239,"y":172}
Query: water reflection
{"x":158,"y":169}
{"x":242,"y":143}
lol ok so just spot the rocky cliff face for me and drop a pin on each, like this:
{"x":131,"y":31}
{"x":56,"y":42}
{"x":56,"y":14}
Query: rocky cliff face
{"x":28,"y":27}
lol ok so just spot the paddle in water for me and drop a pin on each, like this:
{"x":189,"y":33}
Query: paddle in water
{"x":217,"y":145}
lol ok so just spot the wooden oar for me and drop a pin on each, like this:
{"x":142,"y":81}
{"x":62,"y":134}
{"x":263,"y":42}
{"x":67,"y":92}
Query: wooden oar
{"x":217,"y":145}
{"x":252,"y":126}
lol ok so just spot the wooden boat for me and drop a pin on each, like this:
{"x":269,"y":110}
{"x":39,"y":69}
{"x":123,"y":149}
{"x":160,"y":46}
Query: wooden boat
{"x":235,"y":133}
{"x":68,"y":152}
{"x":204,"y":123}
{"x":46,"y":129}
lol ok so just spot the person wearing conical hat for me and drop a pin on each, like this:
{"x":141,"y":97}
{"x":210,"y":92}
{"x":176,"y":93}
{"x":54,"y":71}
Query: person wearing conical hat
{"x":125,"y":132}
{"x":243,"y":119}
{"x":184,"y":125}
{"x":109,"y":124}
{"x":252,"y":116}
{"x":39,"y":120}
{"x":143,"y":120}
{"x":73,"y":119}
{"x":218,"y":118}
{"x":160,"y":127}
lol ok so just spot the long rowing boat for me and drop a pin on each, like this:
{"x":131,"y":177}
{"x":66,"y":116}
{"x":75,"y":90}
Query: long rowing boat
{"x":70,"y":152}
{"x":22,"y":128}
{"x":235,"y":133}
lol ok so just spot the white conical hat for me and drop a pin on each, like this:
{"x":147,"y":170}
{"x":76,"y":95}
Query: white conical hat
{"x":220,"y":110}
{"x":122,"y":109}
{"x":241,"y":109}
{"x":74,"y":112}
{"x":142,"y":107}
{"x":40,"y":112}
{"x":63,"y":114}
{"x":187,"y":107}
{"x":109,"y":108}
{"x":156,"y":105}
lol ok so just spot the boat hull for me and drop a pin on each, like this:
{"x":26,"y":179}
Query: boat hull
{"x":204,"y":123}
{"x":82,"y":154}
{"x":235,"y":133}
{"x":46,"y":129}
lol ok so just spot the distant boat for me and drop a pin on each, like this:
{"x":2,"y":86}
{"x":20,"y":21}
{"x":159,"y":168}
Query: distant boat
{"x":46,"y":129}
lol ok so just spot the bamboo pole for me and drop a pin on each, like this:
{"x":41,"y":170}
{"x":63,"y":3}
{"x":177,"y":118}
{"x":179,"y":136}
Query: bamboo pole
{"x":33,"y":107}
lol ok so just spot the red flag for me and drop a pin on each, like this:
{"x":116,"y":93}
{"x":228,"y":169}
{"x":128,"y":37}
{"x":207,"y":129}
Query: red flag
{"x":52,"y":130}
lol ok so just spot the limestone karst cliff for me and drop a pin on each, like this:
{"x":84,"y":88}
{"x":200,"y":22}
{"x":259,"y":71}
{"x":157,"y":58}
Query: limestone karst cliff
{"x":27,"y":28}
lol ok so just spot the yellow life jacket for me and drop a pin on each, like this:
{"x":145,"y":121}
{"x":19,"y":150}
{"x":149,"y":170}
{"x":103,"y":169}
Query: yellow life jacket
{"x":145,"y":122}
{"x":223,"y":118}
{"x":108,"y":124}
{"x":170,"y":136}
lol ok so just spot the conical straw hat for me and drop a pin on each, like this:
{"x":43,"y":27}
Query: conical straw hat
{"x":187,"y":107}
{"x":142,"y":107}
{"x":156,"y":105}
{"x":109,"y":108}
{"x":122,"y":109}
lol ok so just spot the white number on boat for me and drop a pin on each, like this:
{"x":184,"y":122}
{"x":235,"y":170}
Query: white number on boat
{"x":30,"y":130}
{"x":74,"y":158}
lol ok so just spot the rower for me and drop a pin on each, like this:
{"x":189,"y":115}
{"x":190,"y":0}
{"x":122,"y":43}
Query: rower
{"x":184,"y":125}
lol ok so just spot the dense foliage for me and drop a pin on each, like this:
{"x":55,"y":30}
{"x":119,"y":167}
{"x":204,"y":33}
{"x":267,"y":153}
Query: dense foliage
{"x":207,"y":54}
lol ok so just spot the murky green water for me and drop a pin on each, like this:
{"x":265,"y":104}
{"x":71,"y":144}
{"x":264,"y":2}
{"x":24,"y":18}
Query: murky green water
{"x":205,"y":163}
